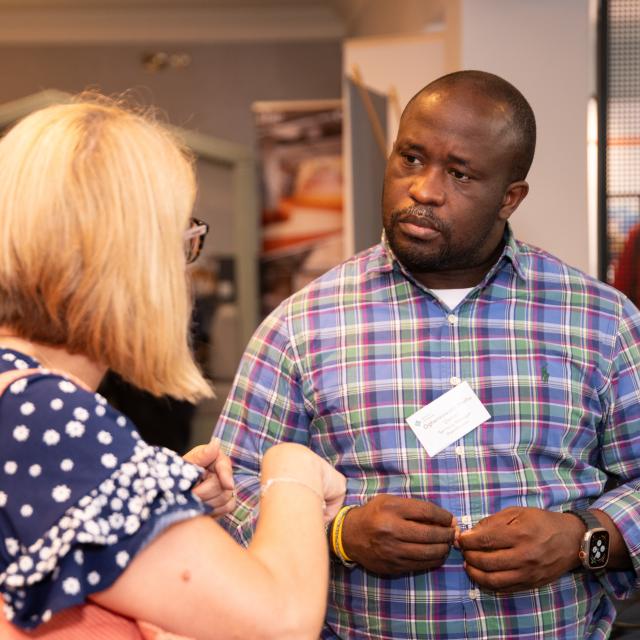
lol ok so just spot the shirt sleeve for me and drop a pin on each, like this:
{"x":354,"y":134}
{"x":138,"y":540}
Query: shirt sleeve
{"x":620,"y":450}
{"x":80,"y":495}
{"x":265,"y":406}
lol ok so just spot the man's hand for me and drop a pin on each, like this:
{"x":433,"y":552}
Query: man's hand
{"x":392,"y":535}
{"x":216,"y":487}
{"x":521,"y":548}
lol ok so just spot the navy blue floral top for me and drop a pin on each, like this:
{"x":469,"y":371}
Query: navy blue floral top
{"x":80,"y":493}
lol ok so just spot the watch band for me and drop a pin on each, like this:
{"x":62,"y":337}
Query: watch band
{"x":589,"y":520}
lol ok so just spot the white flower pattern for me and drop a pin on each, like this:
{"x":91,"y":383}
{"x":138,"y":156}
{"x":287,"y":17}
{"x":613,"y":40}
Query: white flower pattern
{"x":10,"y":467}
{"x":27,"y":408}
{"x":51,"y":437}
{"x":18,"y":386}
{"x":66,"y":387}
{"x":11,"y":545}
{"x":21,"y":433}
{"x":80,"y":413}
{"x":71,"y":586}
{"x":75,"y":429}
{"x":109,"y":460}
{"x":122,"y":559}
{"x":104,"y":437}
{"x":61,"y":493}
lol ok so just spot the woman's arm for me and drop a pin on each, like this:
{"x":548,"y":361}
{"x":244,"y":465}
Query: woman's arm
{"x":193,"y":579}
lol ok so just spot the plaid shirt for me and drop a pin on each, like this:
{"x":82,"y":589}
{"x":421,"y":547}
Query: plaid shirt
{"x":552,"y":354}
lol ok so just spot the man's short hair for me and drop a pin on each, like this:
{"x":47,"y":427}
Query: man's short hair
{"x":523,"y":121}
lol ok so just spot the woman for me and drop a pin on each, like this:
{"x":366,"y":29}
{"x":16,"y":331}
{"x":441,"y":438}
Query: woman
{"x":94,"y":225}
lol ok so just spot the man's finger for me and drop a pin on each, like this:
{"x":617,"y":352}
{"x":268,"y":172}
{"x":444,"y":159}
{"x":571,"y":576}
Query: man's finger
{"x":422,"y":511}
{"x":492,"y":561}
{"x":486,"y":538}
{"x":410,"y":531}
{"x":423,"y":553}
{"x":505,"y":581}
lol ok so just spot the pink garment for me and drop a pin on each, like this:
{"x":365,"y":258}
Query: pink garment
{"x":88,"y":622}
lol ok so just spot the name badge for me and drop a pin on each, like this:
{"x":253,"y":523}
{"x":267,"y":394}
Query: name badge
{"x":448,"y":418}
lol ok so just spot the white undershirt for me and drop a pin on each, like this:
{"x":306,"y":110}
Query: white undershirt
{"x":451,"y":297}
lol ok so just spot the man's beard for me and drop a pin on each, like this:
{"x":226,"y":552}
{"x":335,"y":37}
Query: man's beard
{"x":451,"y":255}
{"x":409,"y":253}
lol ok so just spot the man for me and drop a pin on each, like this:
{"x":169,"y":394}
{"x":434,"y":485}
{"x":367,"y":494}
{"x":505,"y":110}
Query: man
{"x":535,"y":368}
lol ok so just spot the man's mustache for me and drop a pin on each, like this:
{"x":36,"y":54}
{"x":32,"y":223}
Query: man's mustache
{"x":419,"y":215}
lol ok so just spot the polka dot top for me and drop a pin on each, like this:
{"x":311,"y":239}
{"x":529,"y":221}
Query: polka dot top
{"x":80,"y":493}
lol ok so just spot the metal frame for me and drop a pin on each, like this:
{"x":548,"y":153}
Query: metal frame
{"x":603,"y":99}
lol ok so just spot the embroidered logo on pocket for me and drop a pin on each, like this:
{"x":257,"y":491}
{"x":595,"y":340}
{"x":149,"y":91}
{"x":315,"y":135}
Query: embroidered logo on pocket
{"x":545,"y":373}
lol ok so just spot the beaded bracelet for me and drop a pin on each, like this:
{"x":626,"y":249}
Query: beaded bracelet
{"x":269,"y":483}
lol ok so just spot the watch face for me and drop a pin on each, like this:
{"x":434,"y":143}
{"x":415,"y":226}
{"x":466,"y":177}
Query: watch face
{"x":598,"y":549}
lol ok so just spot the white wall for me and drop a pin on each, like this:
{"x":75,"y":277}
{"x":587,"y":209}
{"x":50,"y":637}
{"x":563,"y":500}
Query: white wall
{"x":378,"y":59}
{"x":543,"y":48}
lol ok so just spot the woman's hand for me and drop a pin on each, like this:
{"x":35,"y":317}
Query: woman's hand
{"x":216,"y":488}
{"x":334,"y":486}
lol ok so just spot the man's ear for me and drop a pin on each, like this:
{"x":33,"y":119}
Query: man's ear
{"x":514,"y":194}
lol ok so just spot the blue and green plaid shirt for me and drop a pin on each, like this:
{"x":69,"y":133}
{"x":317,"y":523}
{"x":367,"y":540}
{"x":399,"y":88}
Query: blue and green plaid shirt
{"x":554,"y":356}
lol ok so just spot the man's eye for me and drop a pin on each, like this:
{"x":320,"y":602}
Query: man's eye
{"x":409,"y":159}
{"x":458,"y":175}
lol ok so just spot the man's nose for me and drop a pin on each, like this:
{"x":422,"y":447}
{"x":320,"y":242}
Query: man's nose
{"x":427,"y":187}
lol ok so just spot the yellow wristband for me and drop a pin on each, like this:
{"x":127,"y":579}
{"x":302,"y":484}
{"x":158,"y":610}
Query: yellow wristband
{"x":337,"y":545}
{"x":335,"y":529}
{"x":341,"y":551}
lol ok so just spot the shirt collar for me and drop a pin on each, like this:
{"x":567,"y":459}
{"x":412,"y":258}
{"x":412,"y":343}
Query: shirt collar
{"x":513,"y":252}
{"x":382,"y":259}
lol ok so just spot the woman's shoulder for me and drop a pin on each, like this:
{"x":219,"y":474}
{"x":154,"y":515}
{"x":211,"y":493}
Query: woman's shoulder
{"x":58,"y":441}
{"x":45,"y":413}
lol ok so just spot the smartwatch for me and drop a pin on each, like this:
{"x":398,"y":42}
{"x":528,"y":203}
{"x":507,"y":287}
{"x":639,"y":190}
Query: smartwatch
{"x":594,"y":548}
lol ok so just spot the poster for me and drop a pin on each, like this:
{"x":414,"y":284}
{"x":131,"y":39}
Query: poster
{"x":300,"y":154}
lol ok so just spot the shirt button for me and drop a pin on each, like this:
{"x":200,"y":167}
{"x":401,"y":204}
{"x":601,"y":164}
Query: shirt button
{"x":459,"y":450}
{"x":452,"y":319}
{"x":455,"y":381}
{"x":474,"y":594}
{"x":466,"y":520}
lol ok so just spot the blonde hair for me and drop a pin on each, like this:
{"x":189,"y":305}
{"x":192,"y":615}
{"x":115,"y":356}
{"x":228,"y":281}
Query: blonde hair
{"x":94,"y":201}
